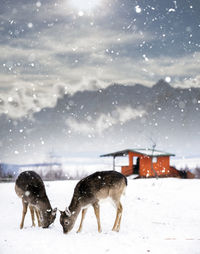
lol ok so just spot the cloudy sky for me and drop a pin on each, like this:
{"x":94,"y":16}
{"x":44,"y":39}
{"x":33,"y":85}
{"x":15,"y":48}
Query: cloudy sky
{"x":52,"y":49}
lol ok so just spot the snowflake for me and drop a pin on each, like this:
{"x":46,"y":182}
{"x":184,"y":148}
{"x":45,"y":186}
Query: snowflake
{"x":138,"y":9}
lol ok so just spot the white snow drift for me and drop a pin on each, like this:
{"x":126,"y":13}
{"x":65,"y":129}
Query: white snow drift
{"x":160,"y":216}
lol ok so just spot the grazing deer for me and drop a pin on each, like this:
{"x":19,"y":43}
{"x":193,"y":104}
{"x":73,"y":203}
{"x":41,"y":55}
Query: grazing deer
{"x":89,"y":191}
{"x":30,"y":188}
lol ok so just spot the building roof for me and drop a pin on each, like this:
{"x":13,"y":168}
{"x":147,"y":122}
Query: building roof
{"x":146,"y":151}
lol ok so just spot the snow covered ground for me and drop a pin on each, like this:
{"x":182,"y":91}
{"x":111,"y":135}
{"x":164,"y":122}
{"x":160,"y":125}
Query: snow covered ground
{"x":160,"y":216}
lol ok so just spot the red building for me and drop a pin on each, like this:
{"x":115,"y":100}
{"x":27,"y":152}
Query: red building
{"x":146,"y":163}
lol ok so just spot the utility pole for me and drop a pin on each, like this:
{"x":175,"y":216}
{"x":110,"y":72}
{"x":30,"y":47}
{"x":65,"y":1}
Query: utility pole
{"x":153,"y":149}
{"x":113,"y":162}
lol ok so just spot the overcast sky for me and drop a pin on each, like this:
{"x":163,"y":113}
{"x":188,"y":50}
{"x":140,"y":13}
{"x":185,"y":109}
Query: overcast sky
{"x":51,"y":48}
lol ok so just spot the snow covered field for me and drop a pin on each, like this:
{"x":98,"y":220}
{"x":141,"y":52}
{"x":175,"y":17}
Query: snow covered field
{"x":160,"y":216}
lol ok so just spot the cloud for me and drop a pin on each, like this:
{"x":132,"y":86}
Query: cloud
{"x":52,"y":66}
{"x":24,"y":99}
{"x":120,"y":115}
{"x":51,"y":76}
{"x":61,"y":52}
{"x":188,"y":82}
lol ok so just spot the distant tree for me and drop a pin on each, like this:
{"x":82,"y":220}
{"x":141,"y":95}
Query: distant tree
{"x":1,"y":171}
{"x":197,"y":172}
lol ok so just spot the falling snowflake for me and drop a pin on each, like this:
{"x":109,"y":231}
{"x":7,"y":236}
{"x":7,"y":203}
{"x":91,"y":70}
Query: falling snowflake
{"x":10,"y":99}
{"x":168,"y":79}
{"x":138,"y":9}
{"x":30,"y":25}
{"x":80,"y":13}
{"x":38,"y":4}
{"x":27,"y":193}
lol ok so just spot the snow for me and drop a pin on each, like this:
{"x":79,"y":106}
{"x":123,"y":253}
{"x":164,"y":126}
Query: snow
{"x":30,"y":25}
{"x":159,"y":216}
{"x":150,"y":152}
{"x":138,"y":9}
{"x":38,"y":4}
{"x":168,"y":79}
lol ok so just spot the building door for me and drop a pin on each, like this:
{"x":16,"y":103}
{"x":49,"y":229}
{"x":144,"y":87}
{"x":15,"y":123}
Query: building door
{"x":136,"y":166}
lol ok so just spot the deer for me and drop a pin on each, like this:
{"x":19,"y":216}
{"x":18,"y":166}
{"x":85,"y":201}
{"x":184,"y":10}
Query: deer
{"x":89,"y":192}
{"x":31,"y":189}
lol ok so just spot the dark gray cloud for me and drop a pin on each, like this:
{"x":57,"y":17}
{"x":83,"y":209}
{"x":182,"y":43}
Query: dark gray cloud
{"x":51,"y":50}
{"x":112,"y":35}
{"x":110,"y":119}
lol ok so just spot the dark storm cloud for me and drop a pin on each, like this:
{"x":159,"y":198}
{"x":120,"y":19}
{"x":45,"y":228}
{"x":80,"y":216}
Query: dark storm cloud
{"x":57,"y":65}
{"x":171,"y":22}
{"x":48,"y":43}
{"x":116,"y":117}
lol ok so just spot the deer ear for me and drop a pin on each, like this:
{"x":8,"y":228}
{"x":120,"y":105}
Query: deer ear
{"x":54,"y":211}
{"x":67,"y":211}
{"x":61,"y":212}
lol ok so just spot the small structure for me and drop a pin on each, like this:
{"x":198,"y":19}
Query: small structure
{"x":146,"y":163}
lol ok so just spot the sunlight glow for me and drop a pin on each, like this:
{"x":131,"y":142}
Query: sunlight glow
{"x":84,"y":5}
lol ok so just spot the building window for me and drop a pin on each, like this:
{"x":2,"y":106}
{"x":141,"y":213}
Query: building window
{"x":154,"y":159}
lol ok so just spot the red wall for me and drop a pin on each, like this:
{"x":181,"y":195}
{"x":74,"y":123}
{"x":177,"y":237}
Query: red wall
{"x":161,"y":167}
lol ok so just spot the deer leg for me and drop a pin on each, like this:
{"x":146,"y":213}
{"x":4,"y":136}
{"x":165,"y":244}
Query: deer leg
{"x":116,"y":226}
{"x":119,"y":221}
{"x":25,"y":205}
{"x":96,"y":211}
{"x":38,"y":217}
{"x":82,"y":218}
{"x":32,"y":215}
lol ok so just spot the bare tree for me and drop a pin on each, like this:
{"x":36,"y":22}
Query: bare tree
{"x":153,"y":149}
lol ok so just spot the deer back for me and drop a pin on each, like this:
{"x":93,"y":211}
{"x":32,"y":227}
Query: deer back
{"x":100,"y":185}
{"x":30,"y":187}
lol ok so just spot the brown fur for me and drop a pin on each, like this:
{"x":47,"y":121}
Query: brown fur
{"x":30,"y":188}
{"x":89,"y":191}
